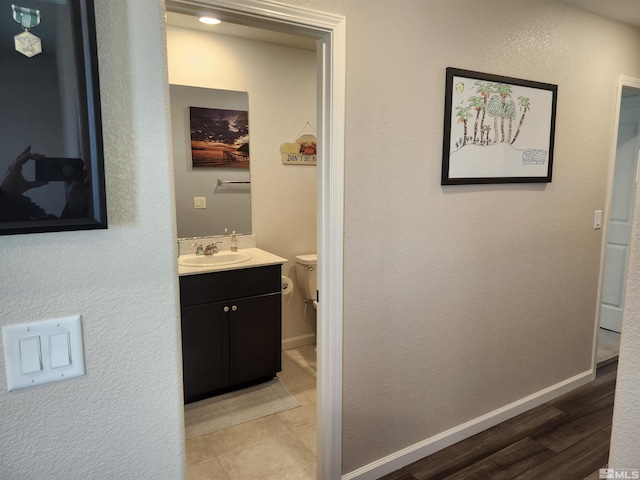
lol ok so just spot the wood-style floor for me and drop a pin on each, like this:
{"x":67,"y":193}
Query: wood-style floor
{"x":564,"y":439}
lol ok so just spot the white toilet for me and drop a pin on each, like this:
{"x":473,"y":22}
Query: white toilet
{"x":306,"y":276}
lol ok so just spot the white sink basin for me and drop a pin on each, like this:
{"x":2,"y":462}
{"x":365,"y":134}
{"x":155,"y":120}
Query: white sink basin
{"x":215,"y":260}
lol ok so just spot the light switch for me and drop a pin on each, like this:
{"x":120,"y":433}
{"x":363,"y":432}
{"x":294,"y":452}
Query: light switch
{"x":597,"y":220}
{"x":42,"y":352}
{"x":59,"y":350}
{"x":30,"y":355}
{"x":199,"y":202}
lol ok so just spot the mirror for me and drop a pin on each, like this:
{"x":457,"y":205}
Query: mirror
{"x":211,"y":161}
{"x":51,"y":167}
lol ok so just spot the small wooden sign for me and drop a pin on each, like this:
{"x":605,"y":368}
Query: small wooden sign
{"x":300,"y":152}
{"x":298,"y":159}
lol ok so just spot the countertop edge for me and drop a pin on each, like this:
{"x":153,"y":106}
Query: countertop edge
{"x":259,"y":258}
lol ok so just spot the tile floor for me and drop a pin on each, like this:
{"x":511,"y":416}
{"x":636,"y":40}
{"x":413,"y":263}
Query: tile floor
{"x":280,"y":446}
{"x":608,"y":346}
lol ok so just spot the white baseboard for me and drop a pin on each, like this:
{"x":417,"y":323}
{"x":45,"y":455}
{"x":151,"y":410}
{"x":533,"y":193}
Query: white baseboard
{"x":415,"y":452}
{"x":299,"y":341}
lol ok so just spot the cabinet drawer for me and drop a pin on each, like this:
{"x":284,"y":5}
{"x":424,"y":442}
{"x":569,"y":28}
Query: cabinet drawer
{"x":230,"y":284}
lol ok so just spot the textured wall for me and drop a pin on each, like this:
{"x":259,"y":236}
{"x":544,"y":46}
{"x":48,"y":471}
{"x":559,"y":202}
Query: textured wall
{"x":460,"y":300}
{"x":281,"y":82}
{"x":123,"y":418}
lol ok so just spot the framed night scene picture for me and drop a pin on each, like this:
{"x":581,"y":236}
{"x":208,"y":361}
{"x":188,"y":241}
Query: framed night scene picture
{"x":497,"y":129}
{"x":219,"y":138}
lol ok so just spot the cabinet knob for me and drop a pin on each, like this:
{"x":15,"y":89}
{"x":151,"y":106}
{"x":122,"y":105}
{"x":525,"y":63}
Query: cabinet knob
{"x":226,"y":309}
{"x":234,"y":308}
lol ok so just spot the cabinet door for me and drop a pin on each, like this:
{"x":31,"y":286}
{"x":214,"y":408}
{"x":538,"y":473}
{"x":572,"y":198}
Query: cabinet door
{"x":205,"y":348}
{"x":255,"y":338}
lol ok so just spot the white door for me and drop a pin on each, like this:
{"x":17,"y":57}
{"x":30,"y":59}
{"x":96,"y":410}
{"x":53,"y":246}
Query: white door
{"x":621,"y":217}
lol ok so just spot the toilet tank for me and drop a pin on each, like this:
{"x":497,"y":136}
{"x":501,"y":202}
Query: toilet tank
{"x":306,"y":275}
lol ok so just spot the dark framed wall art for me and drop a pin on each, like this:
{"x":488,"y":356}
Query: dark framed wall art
{"x":51,"y":160}
{"x":219,"y":138}
{"x":497,"y":129}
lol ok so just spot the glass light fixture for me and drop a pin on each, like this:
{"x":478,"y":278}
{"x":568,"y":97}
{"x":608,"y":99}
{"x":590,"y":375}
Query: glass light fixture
{"x":209,"y":20}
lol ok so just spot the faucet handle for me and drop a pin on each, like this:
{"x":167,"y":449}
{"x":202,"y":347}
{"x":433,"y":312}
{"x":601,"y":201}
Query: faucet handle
{"x":211,"y":248}
{"x":199,"y":249}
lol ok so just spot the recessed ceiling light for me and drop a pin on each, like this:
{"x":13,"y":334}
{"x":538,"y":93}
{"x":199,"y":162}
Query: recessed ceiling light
{"x":209,"y":20}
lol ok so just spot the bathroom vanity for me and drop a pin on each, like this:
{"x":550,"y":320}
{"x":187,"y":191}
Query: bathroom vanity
{"x":231,"y":324}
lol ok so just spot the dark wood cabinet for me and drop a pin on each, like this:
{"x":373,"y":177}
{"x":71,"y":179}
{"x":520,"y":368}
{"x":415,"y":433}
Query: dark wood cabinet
{"x":205,"y":349}
{"x":231,"y":329}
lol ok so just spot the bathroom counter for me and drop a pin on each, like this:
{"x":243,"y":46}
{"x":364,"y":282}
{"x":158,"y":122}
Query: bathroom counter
{"x":259,"y":258}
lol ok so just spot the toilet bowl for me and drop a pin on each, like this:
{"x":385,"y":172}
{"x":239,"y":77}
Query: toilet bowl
{"x":306,"y":277}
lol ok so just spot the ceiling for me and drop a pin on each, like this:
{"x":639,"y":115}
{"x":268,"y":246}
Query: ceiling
{"x":625,"y":11}
{"x":242,"y":31}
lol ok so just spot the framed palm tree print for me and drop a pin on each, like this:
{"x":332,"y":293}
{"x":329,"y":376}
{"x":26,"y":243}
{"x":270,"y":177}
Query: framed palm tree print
{"x":497,"y":129}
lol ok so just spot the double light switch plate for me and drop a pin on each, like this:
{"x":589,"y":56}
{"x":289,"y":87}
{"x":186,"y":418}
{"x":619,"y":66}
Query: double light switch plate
{"x":42,"y":352}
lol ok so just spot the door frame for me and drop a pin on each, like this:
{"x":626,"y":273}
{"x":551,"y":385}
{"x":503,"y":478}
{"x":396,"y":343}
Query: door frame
{"x":623,"y":81}
{"x":330,"y":32}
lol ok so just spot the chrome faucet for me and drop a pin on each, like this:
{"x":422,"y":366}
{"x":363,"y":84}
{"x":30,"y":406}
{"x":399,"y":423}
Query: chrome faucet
{"x":210,"y":249}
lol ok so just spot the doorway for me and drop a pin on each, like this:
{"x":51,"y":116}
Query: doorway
{"x":329,"y":32}
{"x":620,"y":208}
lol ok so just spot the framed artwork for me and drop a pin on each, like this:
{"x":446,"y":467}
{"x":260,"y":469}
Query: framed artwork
{"x":51,"y":165}
{"x":497,"y":129}
{"x":219,"y":138}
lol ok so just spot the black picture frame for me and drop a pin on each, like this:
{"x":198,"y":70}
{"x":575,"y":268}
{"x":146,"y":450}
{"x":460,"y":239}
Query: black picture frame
{"x":50,"y":107}
{"x":485,"y":139}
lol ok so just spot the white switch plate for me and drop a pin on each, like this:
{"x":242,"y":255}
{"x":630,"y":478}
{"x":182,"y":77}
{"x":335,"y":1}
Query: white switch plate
{"x":199,"y":202}
{"x":55,"y":354}
{"x":597,"y":220}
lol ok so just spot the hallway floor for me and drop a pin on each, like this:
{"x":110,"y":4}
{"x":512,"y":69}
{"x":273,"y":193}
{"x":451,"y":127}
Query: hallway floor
{"x":276,"y":447}
{"x":564,"y":439}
